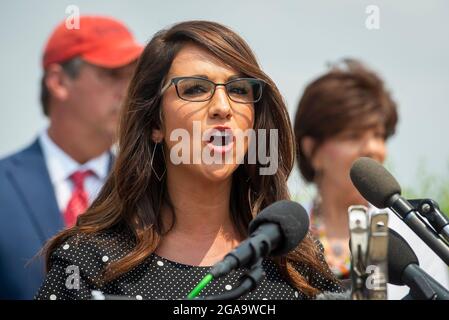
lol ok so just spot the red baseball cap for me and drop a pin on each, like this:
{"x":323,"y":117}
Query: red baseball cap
{"x":102,"y":41}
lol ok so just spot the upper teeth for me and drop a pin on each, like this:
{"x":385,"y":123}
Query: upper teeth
{"x":220,"y":138}
{"x":221,"y":134}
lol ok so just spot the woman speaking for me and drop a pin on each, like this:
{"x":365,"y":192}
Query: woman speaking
{"x":165,"y":215}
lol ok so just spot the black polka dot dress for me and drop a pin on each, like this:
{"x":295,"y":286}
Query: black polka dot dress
{"x":77,"y":265}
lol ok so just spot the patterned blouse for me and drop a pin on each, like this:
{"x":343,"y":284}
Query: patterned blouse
{"x":76,"y":268}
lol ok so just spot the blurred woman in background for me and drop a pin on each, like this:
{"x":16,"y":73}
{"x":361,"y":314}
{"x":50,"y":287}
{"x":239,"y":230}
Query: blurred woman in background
{"x":345,"y":114}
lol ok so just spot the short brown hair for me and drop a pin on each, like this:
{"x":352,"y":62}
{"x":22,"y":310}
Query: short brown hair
{"x":349,"y":97}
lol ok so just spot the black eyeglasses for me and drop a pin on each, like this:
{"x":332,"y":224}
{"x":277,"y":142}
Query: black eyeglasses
{"x":197,"y":89}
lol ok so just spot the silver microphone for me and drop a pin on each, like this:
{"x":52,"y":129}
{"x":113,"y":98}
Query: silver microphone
{"x":369,"y":251}
{"x":358,"y":229}
{"x":377,"y":267}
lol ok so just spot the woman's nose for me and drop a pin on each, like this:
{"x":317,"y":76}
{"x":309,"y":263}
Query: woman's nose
{"x":219,"y":104}
{"x":374,"y":147}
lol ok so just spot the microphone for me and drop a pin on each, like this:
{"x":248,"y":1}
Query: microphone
{"x":381,"y":189}
{"x":403,"y":269}
{"x":369,"y":251}
{"x":276,"y":230}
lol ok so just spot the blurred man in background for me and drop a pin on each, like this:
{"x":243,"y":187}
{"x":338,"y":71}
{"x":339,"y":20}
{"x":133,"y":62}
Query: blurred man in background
{"x":44,"y":187}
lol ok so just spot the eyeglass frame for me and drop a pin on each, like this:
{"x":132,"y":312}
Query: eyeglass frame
{"x":175,"y":81}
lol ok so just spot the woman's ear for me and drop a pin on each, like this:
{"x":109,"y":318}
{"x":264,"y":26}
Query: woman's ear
{"x":157,"y":136}
{"x":308,"y":146}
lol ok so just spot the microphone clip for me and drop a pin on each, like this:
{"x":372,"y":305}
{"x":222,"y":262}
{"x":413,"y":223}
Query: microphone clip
{"x":430,"y":210}
{"x":369,"y":252}
{"x":248,"y":282}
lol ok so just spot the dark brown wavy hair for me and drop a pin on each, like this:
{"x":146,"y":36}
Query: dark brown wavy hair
{"x":132,"y":196}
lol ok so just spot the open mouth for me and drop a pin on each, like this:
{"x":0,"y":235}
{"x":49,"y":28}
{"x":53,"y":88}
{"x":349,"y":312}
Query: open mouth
{"x":220,"y":139}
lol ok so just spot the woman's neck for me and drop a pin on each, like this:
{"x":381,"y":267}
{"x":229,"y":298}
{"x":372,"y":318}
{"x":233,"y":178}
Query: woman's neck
{"x":203,"y":231}
{"x":333,"y":210}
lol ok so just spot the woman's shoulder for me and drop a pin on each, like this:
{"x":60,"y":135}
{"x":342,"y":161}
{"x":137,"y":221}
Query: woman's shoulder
{"x":91,"y":252}
{"x":77,"y":265}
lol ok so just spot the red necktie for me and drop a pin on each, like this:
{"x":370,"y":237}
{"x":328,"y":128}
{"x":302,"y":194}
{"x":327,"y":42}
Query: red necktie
{"x":79,"y":200}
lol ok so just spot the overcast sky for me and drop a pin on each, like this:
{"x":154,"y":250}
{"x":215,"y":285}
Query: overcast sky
{"x":293,"y":40}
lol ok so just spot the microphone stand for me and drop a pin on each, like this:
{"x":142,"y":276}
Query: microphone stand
{"x":421,"y":290}
{"x":431,"y":211}
{"x":419,"y":224}
{"x":248,"y":282}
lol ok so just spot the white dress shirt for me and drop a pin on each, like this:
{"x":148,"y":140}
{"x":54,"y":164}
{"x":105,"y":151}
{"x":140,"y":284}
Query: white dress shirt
{"x":61,"y":166}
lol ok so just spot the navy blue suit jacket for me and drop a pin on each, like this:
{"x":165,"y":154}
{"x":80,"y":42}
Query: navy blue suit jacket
{"x":29,"y":216}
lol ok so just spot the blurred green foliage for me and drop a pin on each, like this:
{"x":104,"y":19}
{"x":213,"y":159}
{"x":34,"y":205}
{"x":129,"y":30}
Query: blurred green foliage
{"x":428,"y":185}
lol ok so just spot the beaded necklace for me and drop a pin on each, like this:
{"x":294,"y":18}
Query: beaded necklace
{"x":342,"y":269}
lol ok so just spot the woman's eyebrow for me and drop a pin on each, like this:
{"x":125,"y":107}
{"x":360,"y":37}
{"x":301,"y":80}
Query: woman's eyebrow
{"x":234,"y":76}
{"x":200,"y":76}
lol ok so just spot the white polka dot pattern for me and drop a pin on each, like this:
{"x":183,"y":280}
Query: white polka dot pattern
{"x":155,"y":278}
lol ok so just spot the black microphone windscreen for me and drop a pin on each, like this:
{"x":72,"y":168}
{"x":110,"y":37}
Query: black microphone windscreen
{"x":373,"y":181}
{"x":291,"y":217}
{"x":400,"y":255}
